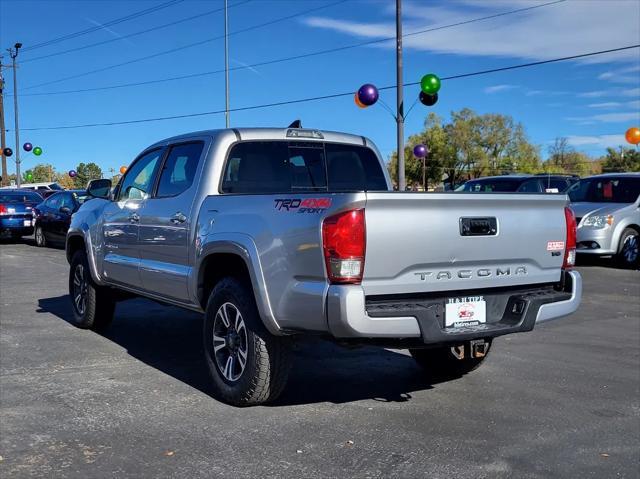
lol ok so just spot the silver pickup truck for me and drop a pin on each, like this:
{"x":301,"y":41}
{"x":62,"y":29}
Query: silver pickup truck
{"x":278,"y":233}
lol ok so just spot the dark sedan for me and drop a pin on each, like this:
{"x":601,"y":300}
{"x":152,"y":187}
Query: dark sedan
{"x":54,"y":215}
{"x":16,"y":212}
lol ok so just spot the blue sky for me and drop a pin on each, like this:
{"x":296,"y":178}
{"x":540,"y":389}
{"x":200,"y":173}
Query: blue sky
{"x":590,"y":101}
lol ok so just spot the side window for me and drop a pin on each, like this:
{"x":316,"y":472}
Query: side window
{"x":353,"y":168}
{"x":530,"y":186}
{"x":54,"y":202}
{"x":180,"y":168}
{"x":66,"y":200}
{"x":138,"y":180}
{"x":257,"y":167}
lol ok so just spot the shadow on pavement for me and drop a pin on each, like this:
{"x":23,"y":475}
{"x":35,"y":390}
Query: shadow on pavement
{"x":170,"y":340}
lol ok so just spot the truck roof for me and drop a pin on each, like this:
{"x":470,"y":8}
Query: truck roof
{"x":304,"y":134}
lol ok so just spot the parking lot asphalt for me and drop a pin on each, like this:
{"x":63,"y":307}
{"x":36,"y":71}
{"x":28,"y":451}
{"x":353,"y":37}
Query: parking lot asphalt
{"x":561,"y":401}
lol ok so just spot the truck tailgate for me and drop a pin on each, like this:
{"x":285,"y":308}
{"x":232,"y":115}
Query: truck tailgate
{"x":415,"y":241}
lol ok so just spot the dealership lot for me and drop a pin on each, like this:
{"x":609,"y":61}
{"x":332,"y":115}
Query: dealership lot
{"x":561,"y":401}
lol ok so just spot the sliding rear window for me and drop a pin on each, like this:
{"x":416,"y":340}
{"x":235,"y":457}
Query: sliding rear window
{"x":262,"y":167}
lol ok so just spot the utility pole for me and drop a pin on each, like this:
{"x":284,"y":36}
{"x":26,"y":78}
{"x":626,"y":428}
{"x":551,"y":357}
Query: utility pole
{"x":3,"y":140}
{"x":399,"y":97}
{"x":226,"y":65}
{"x":13,"y":52}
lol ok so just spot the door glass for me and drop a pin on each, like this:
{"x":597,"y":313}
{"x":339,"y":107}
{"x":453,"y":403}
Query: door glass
{"x":180,"y":168}
{"x":54,"y":202}
{"x":66,"y":200}
{"x":138,"y":181}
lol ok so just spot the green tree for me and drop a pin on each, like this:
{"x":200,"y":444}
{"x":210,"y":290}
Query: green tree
{"x":563,"y":158}
{"x":624,"y":159}
{"x":43,"y":173}
{"x":85,"y":173}
{"x":470,"y":145}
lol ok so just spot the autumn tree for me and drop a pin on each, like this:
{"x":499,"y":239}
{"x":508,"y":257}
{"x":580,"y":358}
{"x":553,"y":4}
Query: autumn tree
{"x":563,"y":158}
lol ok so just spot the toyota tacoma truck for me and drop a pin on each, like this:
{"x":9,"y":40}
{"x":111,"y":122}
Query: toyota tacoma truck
{"x":276,"y":233}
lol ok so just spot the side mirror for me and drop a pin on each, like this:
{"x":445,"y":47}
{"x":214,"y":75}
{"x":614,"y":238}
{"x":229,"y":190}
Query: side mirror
{"x":65,"y":209}
{"x":99,"y":188}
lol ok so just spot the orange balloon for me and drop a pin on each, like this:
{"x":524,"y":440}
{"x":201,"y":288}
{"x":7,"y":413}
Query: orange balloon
{"x":358,"y":102}
{"x":633,"y":135}
{"x":123,"y":170}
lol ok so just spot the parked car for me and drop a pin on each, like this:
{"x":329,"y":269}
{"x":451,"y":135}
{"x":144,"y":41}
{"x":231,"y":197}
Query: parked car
{"x":607,"y":209}
{"x":541,"y":183}
{"x":280,"y":233}
{"x":16,"y":212}
{"x":53,"y":216}
{"x":39,"y":187}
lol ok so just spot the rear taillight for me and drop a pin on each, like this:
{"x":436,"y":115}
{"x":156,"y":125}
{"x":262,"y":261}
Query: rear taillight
{"x":343,"y":242}
{"x":3,"y":210}
{"x":570,"y":243}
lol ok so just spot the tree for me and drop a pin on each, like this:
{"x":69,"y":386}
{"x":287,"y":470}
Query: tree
{"x":625,"y":159}
{"x":43,"y":173}
{"x":85,"y":173}
{"x":470,"y":145}
{"x":563,"y":158}
{"x":66,"y":181}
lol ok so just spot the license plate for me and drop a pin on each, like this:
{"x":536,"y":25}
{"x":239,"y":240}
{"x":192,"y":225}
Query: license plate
{"x":465,"y":311}
{"x":27,"y":222}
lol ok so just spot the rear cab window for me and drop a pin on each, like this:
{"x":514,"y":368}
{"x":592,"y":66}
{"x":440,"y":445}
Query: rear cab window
{"x":263,"y":167}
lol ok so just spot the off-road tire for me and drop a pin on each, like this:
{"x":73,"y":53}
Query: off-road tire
{"x":628,"y":255}
{"x":99,"y":302}
{"x":268,"y":357}
{"x":440,"y":364}
{"x":41,"y":240}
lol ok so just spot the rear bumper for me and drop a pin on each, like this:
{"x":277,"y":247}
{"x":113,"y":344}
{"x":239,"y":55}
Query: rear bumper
{"x":351,"y":315}
{"x":16,"y":225}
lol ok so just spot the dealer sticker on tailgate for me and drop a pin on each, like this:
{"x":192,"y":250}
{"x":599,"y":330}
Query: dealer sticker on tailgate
{"x":465,"y":311}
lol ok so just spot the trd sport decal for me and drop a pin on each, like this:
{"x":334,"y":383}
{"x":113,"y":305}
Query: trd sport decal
{"x":307,"y":205}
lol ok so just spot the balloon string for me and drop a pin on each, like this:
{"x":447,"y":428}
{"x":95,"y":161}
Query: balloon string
{"x":411,"y":108}
{"x":387,"y":107}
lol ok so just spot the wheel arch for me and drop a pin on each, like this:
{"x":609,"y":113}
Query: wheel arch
{"x":237,"y":257}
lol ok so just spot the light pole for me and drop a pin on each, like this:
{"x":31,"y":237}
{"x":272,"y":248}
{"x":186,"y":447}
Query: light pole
{"x":399,"y":98}
{"x":13,"y":52}
{"x":3,"y":143}
{"x":226,"y":65}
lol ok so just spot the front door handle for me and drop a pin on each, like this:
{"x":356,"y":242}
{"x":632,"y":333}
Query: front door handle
{"x":134,"y":217}
{"x":178,"y":218}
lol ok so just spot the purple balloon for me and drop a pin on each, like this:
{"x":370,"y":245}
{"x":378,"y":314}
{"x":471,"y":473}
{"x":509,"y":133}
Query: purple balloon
{"x":72,"y":173}
{"x":420,"y":151}
{"x":27,"y":146}
{"x":368,"y":94}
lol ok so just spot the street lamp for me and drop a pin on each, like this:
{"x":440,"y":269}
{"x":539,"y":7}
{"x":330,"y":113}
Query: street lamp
{"x":13,"y":52}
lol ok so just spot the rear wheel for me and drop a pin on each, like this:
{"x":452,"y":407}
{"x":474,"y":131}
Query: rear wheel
{"x":247,"y":364}
{"x":446,"y":363}
{"x":93,"y":306}
{"x":628,"y":249}
{"x":41,"y":240}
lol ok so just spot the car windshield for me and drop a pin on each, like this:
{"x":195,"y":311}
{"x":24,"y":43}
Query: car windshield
{"x":499,"y":185}
{"x":606,"y":190}
{"x":20,"y":197}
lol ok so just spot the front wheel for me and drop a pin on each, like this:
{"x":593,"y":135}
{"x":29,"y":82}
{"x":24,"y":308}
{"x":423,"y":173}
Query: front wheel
{"x":93,"y":306}
{"x":447,"y":363}
{"x":41,"y":240}
{"x":628,"y":249}
{"x":247,"y":364}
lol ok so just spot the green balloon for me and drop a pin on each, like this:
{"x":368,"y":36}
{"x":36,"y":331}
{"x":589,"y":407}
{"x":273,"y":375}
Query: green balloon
{"x":430,"y":84}
{"x":37,"y":151}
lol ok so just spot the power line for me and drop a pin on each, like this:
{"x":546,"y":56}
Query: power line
{"x":189,"y":45}
{"x":334,"y":95}
{"x":101,"y":26}
{"x":134,"y":34}
{"x":296,"y":57}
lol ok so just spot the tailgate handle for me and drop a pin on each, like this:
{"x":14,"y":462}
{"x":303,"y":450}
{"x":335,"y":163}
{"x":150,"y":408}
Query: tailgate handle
{"x":478,"y":226}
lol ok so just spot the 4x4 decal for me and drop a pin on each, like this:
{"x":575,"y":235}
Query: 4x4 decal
{"x":306,"y":205}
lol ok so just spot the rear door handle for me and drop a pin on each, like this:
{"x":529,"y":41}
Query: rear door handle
{"x":134,"y":217}
{"x":178,"y":218}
